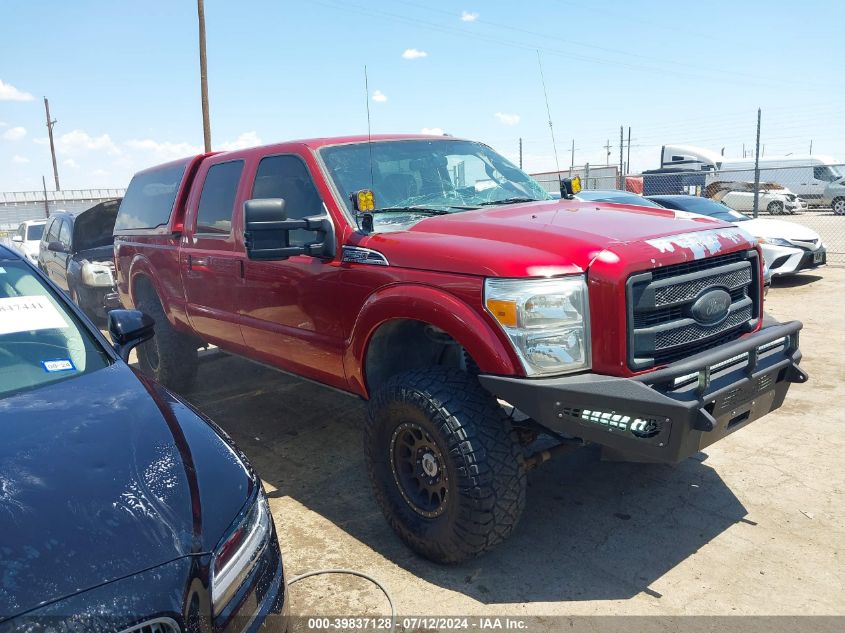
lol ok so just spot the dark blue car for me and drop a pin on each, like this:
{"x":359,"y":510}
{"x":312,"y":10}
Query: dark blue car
{"x":121,"y":507}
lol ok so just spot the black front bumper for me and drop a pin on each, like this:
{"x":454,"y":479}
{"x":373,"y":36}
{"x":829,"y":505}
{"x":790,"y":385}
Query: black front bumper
{"x":813,"y":259}
{"x":671,"y":413}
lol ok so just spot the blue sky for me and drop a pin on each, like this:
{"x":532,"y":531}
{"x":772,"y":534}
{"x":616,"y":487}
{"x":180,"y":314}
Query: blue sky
{"x":123,"y":79}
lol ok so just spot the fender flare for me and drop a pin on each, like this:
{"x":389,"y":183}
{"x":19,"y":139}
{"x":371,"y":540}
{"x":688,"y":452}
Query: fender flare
{"x":139,"y":267}
{"x":438,"y":308}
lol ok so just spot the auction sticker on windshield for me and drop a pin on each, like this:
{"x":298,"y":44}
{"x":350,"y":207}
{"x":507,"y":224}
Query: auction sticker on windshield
{"x":24,"y":314}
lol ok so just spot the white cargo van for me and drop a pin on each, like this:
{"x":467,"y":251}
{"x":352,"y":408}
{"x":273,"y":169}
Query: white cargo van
{"x":807,"y":176}
{"x":820,"y":180}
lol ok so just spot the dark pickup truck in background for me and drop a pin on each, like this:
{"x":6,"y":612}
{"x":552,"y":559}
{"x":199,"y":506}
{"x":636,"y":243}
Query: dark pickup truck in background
{"x":76,"y":252}
{"x":438,"y":281}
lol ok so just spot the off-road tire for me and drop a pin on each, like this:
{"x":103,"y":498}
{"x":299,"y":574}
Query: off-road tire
{"x":169,"y":357}
{"x":838,"y":206}
{"x":483,"y":463}
{"x":775,"y":208}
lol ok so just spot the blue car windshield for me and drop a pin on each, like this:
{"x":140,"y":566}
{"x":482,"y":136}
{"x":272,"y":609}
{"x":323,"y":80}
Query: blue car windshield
{"x":41,"y":341}
{"x":704,"y":206}
{"x":411,"y":179}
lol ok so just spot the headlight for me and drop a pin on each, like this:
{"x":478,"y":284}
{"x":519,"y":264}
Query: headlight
{"x":236,"y":556}
{"x":546,"y":320}
{"x":97,"y":274}
{"x":776,"y":241}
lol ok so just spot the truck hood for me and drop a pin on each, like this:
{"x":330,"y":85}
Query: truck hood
{"x":103,"y":476}
{"x":543,"y":238}
{"x":94,"y":227}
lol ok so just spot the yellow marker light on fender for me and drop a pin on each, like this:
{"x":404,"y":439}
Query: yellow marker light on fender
{"x":364,"y":200}
{"x":504,"y":311}
{"x":576,"y":184}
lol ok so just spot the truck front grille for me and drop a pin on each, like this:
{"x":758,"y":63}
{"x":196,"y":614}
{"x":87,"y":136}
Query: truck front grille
{"x":661,"y":325}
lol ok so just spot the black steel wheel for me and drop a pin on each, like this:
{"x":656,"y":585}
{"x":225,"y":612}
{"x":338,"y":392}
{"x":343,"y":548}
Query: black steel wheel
{"x":419,"y":470}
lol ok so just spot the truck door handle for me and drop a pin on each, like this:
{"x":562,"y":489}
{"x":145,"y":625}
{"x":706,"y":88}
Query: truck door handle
{"x":198,"y":263}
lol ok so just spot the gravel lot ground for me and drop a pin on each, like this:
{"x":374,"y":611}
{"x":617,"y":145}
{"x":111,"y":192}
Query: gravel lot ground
{"x":754,"y":526}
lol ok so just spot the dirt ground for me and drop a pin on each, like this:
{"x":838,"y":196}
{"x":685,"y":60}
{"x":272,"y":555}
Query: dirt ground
{"x":754,"y":526}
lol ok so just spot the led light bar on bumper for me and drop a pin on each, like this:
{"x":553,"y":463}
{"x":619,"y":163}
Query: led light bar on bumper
{"x":546,"y":320}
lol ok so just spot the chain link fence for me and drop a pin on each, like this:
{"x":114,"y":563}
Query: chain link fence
{"x":19,"y":206}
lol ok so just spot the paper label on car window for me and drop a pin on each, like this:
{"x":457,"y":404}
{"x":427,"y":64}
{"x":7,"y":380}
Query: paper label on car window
{"x":23,"y":314}
{"x":60,"y":364}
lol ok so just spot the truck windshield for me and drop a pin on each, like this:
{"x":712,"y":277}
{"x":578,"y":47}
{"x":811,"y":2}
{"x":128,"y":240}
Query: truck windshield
{"x":41,"y":341}
{"x":415,"y":178}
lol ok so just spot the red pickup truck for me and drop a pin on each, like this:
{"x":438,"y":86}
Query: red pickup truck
{"x":433,"y":278}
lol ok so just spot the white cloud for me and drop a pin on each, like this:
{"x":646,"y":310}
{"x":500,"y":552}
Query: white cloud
{"x":413,"y":53}
{"x":3,"y":124}
{"x":14,"y":134}
{"x":9,"y":93}
{"x":507,"y":119}
{"x":99,"y":172}
{"x":19,"y":159}
{"x":69,"y":162}
{"x":79,"y":141}
{"x":165,"y":150}
{"x":379,"y":96}
{"x":466,"y":16}
{"x":434,"y":131}
{"x":245,"y":139}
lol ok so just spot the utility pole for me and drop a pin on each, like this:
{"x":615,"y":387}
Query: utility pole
{"x":743,"y":150}
{"x":628,"y":159}
{"x":572,"y":158}
{"x":46,"y":202}
{"x":50,"y":124}
{"x":757,"y":168}
{"x":206,"y":125}
{"x":520,"y":152}
{"x":811,"y":147}
{"x":621,"y":148}
{"x":607,"y":156}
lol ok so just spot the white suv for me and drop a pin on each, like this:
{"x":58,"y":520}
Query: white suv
{"x":27,"y":238}
{"x":775,"y":201}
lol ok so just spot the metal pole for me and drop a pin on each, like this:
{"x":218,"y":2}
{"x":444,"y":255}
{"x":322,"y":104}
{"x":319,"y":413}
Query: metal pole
{"x":206,"y":125}
{"x":621,"y":148}
{"x":520,"y":152}
{"x":50,"y":124}
{"x":46,"y":204}
{"x":757,"y":168}
{"x":811,"y":147}
{"x":572,"y":159}
{"x":607,"y":154}
{"x":586,"y":175}
{"x":628,"y":159}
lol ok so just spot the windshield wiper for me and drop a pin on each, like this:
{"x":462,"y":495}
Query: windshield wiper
{"x":428,"y":210}
{"x":508,"y":201}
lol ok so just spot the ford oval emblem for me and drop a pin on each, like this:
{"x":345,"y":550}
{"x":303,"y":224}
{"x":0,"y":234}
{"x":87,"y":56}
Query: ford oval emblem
{"x":711,"y":307}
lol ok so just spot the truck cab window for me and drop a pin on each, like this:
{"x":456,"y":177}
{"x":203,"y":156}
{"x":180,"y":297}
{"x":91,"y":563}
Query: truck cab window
{"x":217,"y":200}
{"x":64,"y":234}
{"x":53,"y":231}
{"x":287,"y":177}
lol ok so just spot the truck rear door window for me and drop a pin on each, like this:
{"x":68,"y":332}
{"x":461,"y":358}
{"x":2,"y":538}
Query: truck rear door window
{"x":217,"y":200}
{"x":149,"y":199}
